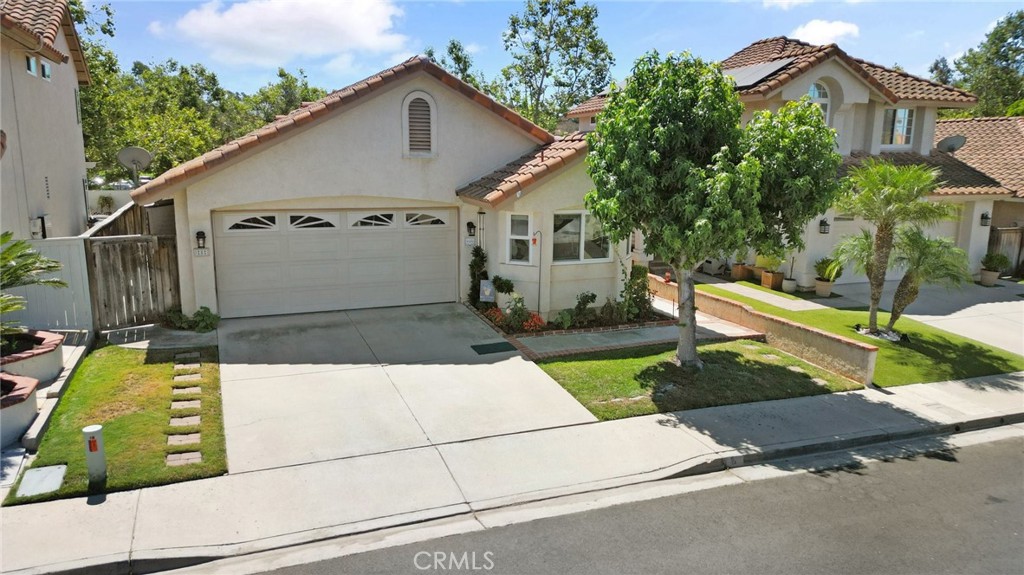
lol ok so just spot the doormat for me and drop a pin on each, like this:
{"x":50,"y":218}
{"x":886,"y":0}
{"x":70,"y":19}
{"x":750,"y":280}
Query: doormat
{"x":486,"y":348}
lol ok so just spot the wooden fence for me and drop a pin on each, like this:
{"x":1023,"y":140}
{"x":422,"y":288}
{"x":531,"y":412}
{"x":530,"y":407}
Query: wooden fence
{"x":1009,"y":242}
{"x":129,"y":220}
{"x":133,"y":279}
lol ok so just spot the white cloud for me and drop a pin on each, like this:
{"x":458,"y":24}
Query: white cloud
{"x":156,"y":28}
{"x":826,"y":31}
{"x":473,"y":48}
{"x":271,"y":33}
{"x":784,"y":4}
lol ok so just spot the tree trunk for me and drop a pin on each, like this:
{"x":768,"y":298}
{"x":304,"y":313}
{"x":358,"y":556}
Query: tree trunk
{"x":876,"y":275}
{"x":905,"y":295}
{"x":686,"y":350}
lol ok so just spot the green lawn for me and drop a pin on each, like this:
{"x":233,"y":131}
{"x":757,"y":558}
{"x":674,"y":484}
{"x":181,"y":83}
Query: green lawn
{"x":641,"y":381}
{"x":129,"y":392}
{"x":931,"y":355}
{"x":760,"y":287}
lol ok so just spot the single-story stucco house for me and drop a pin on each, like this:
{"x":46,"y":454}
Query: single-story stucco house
{"x":375,"y":196}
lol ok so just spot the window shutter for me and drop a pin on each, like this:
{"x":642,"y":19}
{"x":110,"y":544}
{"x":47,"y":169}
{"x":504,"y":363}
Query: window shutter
{"x":419,"y":126}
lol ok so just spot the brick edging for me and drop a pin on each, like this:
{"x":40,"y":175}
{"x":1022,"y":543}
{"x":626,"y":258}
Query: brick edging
{"x":24,"y":387}
{"x":49,"y":341}
{"x":582,"y":350}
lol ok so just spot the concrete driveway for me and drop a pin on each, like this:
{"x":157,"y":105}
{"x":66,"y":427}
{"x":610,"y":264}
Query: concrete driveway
{"x":313,"y":387}
{"x":992,"y":315}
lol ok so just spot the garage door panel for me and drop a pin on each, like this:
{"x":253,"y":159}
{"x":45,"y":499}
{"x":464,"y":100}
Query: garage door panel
{"x":294,"y":269}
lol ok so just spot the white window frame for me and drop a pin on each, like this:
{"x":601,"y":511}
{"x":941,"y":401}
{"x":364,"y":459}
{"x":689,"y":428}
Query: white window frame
{"x":583,"y":239}
{"x":354,"y":217}
{"x":45,"y":70}
{"x":911,"y":119}
{"x":824,"y":103}
{"x":32,"y":65}
{"x":528,"y":237}
{"x":406,"y":153}
{"x":333,"y":218}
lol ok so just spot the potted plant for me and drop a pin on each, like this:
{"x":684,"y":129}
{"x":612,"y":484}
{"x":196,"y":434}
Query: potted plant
{"x":740,"y":270}
{"x":789,"y":282}
{"x":105,"y":204}
{"x":992,"y":265}
{"x":828,"y":271}
{"x":770,"y":278}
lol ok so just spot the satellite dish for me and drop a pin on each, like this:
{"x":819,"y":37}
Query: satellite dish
{"x":951,"y":144}
{"x":135,"y":159}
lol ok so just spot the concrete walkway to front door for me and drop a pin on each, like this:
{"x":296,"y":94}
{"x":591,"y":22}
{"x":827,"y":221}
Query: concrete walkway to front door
{"x":315,"y":387}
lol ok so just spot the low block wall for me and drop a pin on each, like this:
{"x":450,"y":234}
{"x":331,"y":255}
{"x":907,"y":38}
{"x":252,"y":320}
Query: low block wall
{"x":842,"y":355}
{"x":44,"y":363}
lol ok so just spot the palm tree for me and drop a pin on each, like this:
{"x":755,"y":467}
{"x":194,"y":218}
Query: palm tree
{"x":855,"y":252}
{"x":926,"y":260}
{"x":20,"y":265}
{"x":887,"y":196}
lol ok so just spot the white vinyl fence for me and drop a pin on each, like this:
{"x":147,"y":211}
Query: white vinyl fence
{"x":58,"y":308}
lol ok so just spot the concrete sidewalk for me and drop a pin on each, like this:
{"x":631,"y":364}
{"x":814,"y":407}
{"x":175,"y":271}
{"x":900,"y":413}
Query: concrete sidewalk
{"x":184,"y":523}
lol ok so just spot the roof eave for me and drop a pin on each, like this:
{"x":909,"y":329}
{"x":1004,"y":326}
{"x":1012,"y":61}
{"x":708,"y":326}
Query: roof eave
{"x":30,"y":41}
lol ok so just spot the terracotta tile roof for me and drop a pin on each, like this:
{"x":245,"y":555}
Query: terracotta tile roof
{"x":958,"y":178}
{"x":38,"y":23}
{"x":310,"y":112}
{"x":893,"y":85}
{"x":588,"y":108}
{"x":909,"y":87}
{"x":994,"y":146}
{"x":524,"y":172}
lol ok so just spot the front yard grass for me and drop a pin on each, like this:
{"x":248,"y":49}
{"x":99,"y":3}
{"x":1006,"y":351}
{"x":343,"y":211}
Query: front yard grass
{"x":128,"y":391}
{"x":932,"y":354}
{"x":644,"y":380}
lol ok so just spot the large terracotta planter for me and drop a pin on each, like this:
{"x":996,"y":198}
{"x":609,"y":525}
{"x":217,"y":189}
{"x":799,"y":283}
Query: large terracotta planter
{"x":823,"y":288}
{"x":772,"y":280}
{"x":989,"y":277}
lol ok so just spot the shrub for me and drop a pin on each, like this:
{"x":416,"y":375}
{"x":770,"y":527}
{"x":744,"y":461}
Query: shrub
{"x":503,"y":285}
{"x":565,"y":319}
{"x":770,"y":263}
{"x":477,"y":272}
{"x":516,"y":313}
{"x":636,"y":295}
{"x":828,"y":269}
{"x":202,"y":321}
{"x":495,"y":315}
{"x":613,"y":312}
{"x":995,"y":262}
{"x":535,"y":323}
{"x":105,"y":204}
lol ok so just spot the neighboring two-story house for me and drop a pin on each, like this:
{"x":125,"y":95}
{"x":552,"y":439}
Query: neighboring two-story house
{"x":876,"y":112}
{"x":42,"y":169}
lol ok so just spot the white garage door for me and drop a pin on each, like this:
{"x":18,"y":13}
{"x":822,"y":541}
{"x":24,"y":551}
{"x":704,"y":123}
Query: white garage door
{"x":277,"y":262}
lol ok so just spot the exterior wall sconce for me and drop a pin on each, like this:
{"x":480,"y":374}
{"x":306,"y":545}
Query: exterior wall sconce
{"x":471,"y":229}
{"x":200,"y":239}
{"x":986,"y":219}
{"x":824,"y":227}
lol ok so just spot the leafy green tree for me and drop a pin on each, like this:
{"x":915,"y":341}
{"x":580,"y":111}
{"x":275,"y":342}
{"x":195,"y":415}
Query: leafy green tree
{"x":888,"y":196}
{"x":94,"y":18}
{"x":279,"y":98}
{"x":665,"y":160}
{"x":459,"y":62}
{"x":994,"y":70}
{"x":1016,"y":108}
{"x":925,"y":260}
{"x":20,"y":265}
{"x":799,"y":163}
{"x":558,"y":59}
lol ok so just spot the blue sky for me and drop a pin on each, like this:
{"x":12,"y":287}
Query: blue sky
{"x":338,"y":42}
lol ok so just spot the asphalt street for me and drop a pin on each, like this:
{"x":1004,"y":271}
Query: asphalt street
{"x":952,"y":512}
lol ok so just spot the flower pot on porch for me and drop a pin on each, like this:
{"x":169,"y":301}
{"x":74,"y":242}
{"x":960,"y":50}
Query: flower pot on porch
{"x":789,"y":285}
{"x":740,"y":272}
{"x":989,"y":277}
{"x":772,"y":280}
{"x":823,"y":288}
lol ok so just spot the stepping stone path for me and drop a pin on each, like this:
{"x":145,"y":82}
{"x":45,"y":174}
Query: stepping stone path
{"x":769,"y":356}
{"x":186,"y":362}
{"x":795,"y":368}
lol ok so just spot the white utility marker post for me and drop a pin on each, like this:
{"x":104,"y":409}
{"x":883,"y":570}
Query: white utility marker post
{"x":95,"y":457}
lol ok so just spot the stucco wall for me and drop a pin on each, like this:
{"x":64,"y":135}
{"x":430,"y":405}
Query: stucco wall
{"x":1007,"y":214}
{"x":353,"y":159}
{"x":44,"y":146}
{"x":560,"y":282}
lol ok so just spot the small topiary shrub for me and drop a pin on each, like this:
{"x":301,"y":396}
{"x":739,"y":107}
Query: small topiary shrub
{"x":995,"y":262}
{"x":477,"y":272}
{"x":503,"y":285}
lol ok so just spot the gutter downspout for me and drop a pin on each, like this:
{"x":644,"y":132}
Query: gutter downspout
{"x":540,"y":265}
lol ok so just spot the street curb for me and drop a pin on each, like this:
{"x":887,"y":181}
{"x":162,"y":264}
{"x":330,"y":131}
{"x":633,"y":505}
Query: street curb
{"x":152,"y":561}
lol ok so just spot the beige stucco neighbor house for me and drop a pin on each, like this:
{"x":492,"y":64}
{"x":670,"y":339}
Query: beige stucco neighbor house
{"x":876,"y":112}
{"x":42,"y":170}
{"x":376,"y":195}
